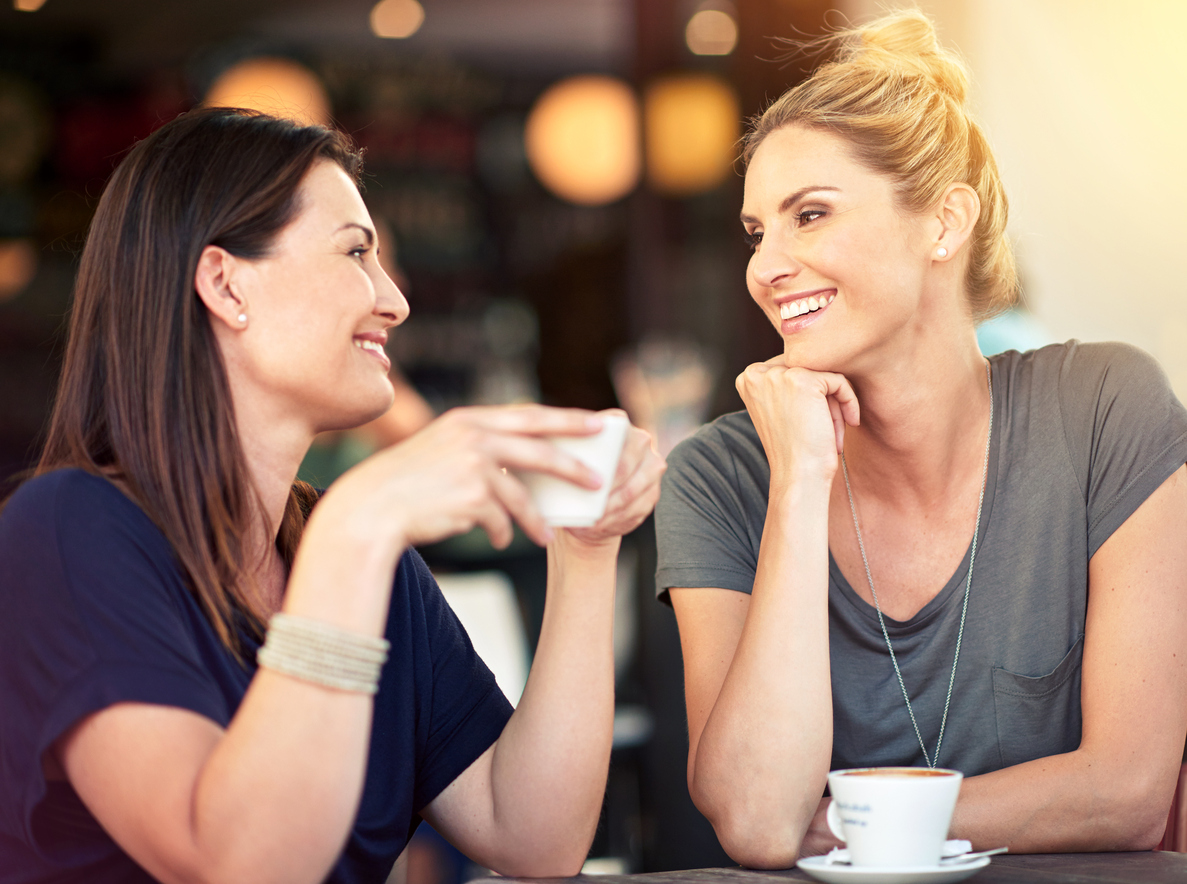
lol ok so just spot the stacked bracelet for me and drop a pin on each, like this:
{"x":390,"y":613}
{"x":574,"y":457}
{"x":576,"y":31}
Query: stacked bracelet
{"x":316,"y":652}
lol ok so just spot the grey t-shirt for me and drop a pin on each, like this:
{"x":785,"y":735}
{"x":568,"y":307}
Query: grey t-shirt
{"x":1082,"y":435}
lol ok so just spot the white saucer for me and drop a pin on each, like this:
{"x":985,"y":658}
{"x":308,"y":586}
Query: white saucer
{"x":836,"y":873}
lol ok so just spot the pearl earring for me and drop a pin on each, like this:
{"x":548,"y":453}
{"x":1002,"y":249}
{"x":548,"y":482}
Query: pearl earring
{"x":243,"y":319}
{"x":941,"y":252}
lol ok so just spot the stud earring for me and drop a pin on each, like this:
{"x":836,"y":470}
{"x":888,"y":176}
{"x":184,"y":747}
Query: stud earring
{"x":941,"y":252}
{"x":243,"y":319}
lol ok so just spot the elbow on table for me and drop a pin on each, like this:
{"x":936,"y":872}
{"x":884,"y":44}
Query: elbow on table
{"x":758,"y":848}
{"x":1141,"y":827}
{"x":559,"y":861}
{"x":757,"y":839}
{"x":1138,"y":813}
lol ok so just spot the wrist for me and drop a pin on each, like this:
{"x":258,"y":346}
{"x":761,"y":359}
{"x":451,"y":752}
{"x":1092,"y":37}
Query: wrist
{"x":570,"y":546}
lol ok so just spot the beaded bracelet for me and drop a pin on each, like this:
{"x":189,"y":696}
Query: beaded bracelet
{"x":317,"y":652}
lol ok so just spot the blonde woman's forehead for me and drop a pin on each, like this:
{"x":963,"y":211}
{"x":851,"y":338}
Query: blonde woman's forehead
{"x":797,"y":159}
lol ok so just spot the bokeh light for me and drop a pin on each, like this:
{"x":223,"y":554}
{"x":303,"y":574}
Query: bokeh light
{"x":18,"y":266}
{"x":692,"y":126}
{"x":396,"y":19}
{"x":27,"y":5}
{"x":711,"y":32}
{"x":277,"y":86}
{"x":582,"y":139}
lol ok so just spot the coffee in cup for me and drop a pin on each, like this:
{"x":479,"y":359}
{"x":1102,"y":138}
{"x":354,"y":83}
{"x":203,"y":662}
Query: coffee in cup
{"x":893,"y":817}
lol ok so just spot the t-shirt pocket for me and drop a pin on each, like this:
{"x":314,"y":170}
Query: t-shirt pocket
{"x":1040,"y":715}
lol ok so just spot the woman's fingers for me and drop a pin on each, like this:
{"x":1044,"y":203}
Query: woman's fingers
{"x":636,"y":488}
{"x":530,"y":420}
{"x":529,"y":454}
{"x":800,"y":415}
{"x":513,"y":499}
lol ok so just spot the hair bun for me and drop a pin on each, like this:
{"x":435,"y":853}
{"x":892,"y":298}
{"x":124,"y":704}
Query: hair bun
{"x":906,"y":40}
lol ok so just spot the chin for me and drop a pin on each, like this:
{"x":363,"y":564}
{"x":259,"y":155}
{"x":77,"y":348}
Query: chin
{"x":350,"y":415}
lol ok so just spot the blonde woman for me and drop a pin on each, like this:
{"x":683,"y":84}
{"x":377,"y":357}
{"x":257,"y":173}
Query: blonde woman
{"x":902,"y":553}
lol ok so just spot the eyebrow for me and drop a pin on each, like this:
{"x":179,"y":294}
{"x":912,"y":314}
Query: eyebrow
{"x":793,"y":199}
{"x":367,"y":231}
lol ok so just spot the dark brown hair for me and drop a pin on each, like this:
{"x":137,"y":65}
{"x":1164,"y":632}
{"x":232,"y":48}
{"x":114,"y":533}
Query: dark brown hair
{"x":143,"y":396}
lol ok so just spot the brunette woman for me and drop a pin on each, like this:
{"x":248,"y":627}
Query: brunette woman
{"x":902,"y":553}
{"x":229,"y":306}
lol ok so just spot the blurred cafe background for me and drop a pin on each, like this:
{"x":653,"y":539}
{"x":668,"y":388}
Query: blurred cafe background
{"x":557,"y":182}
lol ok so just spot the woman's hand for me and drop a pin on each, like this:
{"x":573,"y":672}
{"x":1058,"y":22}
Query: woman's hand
{"x":819,"y":838}
{"x":800,"y":415}
{"x":634,"y":493}
{"x":457,"y":474}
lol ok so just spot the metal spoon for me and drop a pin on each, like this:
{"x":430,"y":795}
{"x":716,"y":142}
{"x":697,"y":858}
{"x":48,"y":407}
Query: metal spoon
{"x":969,"y":857}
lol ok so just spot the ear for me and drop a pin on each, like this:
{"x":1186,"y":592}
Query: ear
{"x":215,"y":284}
{"x":956,"y":214}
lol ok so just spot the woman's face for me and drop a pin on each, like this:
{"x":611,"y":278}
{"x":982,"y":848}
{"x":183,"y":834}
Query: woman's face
{"x":318,"y":307}
{"x":838,"y":267}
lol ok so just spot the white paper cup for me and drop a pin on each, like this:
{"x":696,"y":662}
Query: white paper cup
{"x":565,"y":505}
{"x":893,"y":817}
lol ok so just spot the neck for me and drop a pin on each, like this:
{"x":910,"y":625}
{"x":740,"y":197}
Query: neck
{"x":924,"y":420}
{"x":273,"y":446}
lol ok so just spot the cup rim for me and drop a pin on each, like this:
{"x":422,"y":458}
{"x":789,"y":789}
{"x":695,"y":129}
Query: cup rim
{"x":944,"y":772}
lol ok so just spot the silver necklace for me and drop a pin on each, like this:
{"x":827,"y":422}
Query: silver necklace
{"x":931,"y":760}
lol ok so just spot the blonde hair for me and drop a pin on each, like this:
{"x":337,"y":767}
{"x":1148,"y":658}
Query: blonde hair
{"x":899,"y":99}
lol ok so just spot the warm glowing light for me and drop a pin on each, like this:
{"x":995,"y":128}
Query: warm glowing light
{"x":27,"y":5}
{"x":18,"y":266}
{"x":275,"y":86}
{"x":396,"y":18}
{"x":711,"y":32}
{"x":582,"y":139}
{"x":692,"y":126}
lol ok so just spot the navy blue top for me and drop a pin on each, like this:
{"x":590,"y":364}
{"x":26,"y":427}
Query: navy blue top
{"x":95,"y":611}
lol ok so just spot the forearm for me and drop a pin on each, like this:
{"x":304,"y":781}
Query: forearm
{"x":1076,"y":802}
{"x":276,"y":798}
{"x":548,"y":773}
{"x":759,"y":767}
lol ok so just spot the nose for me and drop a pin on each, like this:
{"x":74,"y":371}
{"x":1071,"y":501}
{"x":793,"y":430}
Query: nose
{"x":773,"y":262}
{"x":390,"y":302}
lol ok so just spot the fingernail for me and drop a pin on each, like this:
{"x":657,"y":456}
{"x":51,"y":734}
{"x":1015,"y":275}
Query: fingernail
{"x":548,"y":534}
{"x":593,"y":422}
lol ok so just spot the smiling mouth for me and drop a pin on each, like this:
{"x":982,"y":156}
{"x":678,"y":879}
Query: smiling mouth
{"x":374,"y":348}
{"x":811,"y":304}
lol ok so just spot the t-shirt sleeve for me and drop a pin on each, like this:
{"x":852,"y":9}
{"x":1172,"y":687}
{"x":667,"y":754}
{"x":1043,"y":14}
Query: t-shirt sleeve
{"x":704,"y":537}
{"x":88,"y":622}
{"x":1125,"y":429}
{"x":467,"y":709}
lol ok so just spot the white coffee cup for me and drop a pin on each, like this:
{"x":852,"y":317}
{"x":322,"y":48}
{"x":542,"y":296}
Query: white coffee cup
{"x":565,"y":505}
{"x":893,"y":817}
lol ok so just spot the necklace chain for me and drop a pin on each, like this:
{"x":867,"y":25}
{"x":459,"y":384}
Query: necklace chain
{"x":932,"y":760}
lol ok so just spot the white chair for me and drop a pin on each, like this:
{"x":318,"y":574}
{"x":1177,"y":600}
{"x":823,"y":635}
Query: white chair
{"x":486,"y":604}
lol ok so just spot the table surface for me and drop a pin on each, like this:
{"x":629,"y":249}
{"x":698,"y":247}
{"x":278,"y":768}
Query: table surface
{"x":1153,"y":867}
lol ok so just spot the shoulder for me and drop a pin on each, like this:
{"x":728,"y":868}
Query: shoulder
{"x":719,"y":448}
{"x":1077,"y":367}
{"x":71,"y":508}
{"x":78,"y":512}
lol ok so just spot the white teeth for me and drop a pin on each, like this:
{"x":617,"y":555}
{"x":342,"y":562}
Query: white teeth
{"x":792,"y":309}
{"x":368,"y":345}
